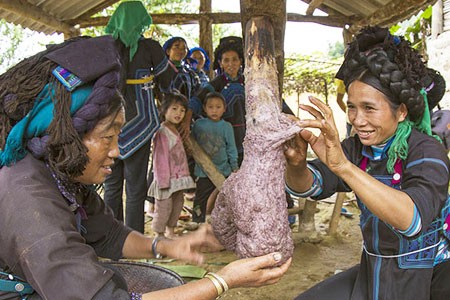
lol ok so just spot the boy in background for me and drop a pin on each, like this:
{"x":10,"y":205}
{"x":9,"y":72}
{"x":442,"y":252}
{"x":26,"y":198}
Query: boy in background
{"x":216,"y":137}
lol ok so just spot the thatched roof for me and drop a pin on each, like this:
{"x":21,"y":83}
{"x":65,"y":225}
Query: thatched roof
{"x":66,"y":16}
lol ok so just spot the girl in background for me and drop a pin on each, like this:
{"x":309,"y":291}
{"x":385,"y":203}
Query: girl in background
{"x":170,"y":167}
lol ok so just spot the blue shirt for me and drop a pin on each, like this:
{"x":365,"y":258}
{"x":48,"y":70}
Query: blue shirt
{"x":217,"y":139}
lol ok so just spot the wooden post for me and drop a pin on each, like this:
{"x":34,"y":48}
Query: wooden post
{"x":306,"y":221}
{"x":205,"y":29}
{"x":437,"y":19}
{"x":276,"y":12}
{"x":205,"y":162}
{"x":334,"y":221}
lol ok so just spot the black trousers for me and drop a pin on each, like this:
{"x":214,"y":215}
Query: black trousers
{"x":202,"y":192}
{"x":340,"y":286}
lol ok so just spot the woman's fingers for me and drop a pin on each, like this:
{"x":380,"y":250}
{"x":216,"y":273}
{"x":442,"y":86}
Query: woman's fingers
{"x":312,"y":111}
{"x":308,"y":136}
{"x":324,"y":108}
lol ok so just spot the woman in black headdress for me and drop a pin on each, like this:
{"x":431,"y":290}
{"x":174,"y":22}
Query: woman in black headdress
{"x":398,"y":171}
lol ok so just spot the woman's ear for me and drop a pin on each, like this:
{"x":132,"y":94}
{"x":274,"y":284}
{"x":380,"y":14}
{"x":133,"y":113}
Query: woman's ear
{"x":402,"y":112}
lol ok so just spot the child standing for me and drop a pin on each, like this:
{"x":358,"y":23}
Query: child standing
{"x":170,"y":167}
{"x":216,"y":137}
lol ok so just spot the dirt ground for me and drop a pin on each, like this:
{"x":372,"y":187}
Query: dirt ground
{"x":316,"y":256}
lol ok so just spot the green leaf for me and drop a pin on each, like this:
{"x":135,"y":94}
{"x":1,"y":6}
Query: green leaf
{"x":187,"y":271}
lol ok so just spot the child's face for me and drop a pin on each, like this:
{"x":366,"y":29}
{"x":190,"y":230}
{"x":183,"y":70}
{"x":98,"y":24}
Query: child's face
{"x":175,"y":113}
{"x":214,"y":108}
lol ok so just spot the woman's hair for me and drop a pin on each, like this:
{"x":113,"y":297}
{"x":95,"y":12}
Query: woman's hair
{"x":20,"y":85}
{"x":230,"y":43}
{"x":105,"y":102}
{"x":212,"y":95}
{"x":389,"y":64}
{"x":61,"y":143}
{"x":170,"y":99}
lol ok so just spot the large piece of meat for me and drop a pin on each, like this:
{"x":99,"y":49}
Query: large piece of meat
{"x":250,"y":215}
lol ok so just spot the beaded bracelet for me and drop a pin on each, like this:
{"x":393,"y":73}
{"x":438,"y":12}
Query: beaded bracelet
{"x":135,"y":296}
{"x":220,"y":283}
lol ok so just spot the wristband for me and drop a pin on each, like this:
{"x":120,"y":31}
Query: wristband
{"x":155,"y":242}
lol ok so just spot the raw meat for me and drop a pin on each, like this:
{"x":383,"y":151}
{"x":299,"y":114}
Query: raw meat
{"x":250,"y":215}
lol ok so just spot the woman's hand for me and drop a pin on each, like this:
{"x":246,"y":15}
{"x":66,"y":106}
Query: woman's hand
{"x":295,"y":151}
{"x":189,"y":247}
{"x":254,"y":272}
{"x":327,"y":145}
{"x":250,"y":272}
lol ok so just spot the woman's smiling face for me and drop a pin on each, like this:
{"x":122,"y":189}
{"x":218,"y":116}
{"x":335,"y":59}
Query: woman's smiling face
{"x":230,"y":63}
{"x":103,"y":148}
{"x":177,"y":51}
{"x":371,"y":114}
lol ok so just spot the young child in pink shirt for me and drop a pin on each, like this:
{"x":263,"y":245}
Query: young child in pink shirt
{"x":170,"y":167}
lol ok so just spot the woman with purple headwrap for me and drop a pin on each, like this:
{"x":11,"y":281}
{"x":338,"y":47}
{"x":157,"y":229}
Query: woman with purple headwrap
{"x":60,"y":118}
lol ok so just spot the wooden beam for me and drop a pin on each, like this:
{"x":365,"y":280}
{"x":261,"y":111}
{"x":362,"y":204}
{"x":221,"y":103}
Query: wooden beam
{"x":24,"y":9}
{"x":334,"y":21}
{"x":216,"y":18}
{"x":312,"y":6}
{"x":170,"y":19}
{"x":392,"y":13}
{"x":98,"y":8}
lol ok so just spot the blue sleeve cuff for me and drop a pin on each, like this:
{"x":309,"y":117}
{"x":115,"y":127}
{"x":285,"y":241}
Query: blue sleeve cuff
{"x":416,"y":225}
{"x":315,"y":189}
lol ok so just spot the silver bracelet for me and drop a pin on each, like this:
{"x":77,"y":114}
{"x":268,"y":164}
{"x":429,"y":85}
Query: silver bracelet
{"x":155,"y":242}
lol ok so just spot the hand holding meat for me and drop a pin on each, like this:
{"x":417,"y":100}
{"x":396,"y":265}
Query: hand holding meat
{"x":255,"y":272}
